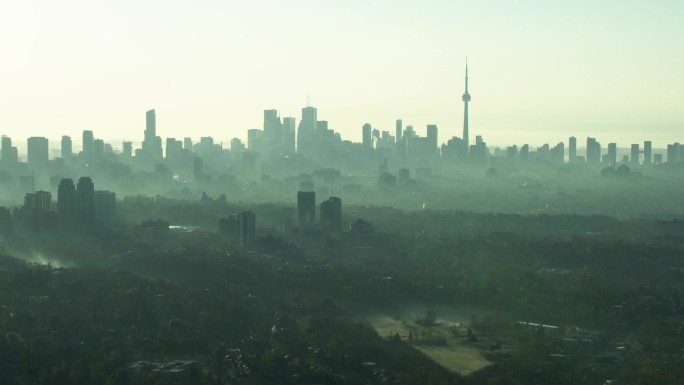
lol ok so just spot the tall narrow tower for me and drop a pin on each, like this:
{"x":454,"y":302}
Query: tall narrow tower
{"x":466,"y":99}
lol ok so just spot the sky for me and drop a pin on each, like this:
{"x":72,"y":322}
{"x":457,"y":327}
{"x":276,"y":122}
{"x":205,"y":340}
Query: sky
{"x":539,"y":71}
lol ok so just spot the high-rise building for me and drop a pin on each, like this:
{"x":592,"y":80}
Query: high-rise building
{"x":273,"y":130}
{"x":648,"y":154}
{"x":152,"y":144}
{"x":612,"y":154}
{"x":288,"y":132}
{"x":9,"y":153}
{"x":127,"y":149}
{"x":306,"y":208}
{"x":572,"y":149}
{"x":66,"y":149}
{"x":85,"y":201}
{"x":88,"y":145}
{"x":398,"y":128}
{"x":98,"y":149}
{"x":246,"y":227}
{"x":307,"y":127}
{"x":432,"y":138}
{"x":67,"y":209}
{"x":104,"y":207}
{"x":37,"y":148}
{"x":331,"y":214}
{"x":634,"y":155}
{"x":367,"y":137}
{"x":593,"y":151}
{"x":466,"y":100}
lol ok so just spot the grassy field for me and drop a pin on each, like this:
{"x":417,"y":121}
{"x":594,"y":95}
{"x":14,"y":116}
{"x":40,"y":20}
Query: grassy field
{"x":437,"y":342}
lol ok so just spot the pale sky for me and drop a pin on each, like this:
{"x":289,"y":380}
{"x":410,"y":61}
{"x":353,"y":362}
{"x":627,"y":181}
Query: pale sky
{"x":540,"y":70}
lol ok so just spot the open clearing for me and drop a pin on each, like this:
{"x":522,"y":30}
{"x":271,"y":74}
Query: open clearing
{"x":452,"y":352}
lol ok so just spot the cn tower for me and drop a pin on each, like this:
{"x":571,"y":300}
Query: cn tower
{"x":466,"y":99}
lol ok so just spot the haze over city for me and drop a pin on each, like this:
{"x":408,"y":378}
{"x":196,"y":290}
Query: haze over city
{"x":539,"y":72}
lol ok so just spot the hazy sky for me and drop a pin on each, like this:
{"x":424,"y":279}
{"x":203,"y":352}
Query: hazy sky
{"x":540,"y":70}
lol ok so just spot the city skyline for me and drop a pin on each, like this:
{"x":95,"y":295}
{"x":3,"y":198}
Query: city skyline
{"x":538,"y":73}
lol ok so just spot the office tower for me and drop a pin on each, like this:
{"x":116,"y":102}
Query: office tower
{"x":37,"y":148}
{"x":288,"y":132}
{"x":612,"y":154}
{"x":634,"y":155}
{"x":572,"y":149}
{"x":306,"y":208}
{"x":66,"y":202}
{"x":255,"y":139}
{"x":558,"y":154}
{"x":187,"y":143}
{"x":246,"y":226}
{"x":9,"y":153}
{"x":273,"y":130}
{"x":88,"y":145}
{"x":152,"y":143}
{"x":307,"y":127}
{"x":39,"y":201}
{"x":85,"y":201}
{"x":673,"y":153}
{"x":647,"y":153}
{"x":236,"y":145}
{"x":432,"y":138}
{"x":66,"y":147}
{"x":127,"y":149}
{"x":367,"y":137}
{"x":331,"y":214}
{"x":466,"y":100}
{"x":174,"y":150}
{"x":104,"y":207}
{"x":593,"y":151}
{"x":399,"y":128}
{"x":98,"y":149}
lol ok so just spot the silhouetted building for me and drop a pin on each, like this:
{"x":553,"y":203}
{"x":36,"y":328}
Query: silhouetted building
{"x":88,"y":148}
{"x":367,"y":138}
{"x":127,"y":149}
{"x":307,"y":127}
{"x":288,"y":133}
{"x":331,"y":214}
{"x":634,"y":155}
{"x":306,"y":208}
{"x":228,"y":227}
{"x":38,"y":151}
{"x":648,"y":155}
{"x":152,"y":145}
{"x":9,"y":154}
{"x":67,"y":209}
{"x":85,"y":201}
{"x":398,"y":130}
{"x":105,"y":208}
{"x":98,"y":149}
{"x":432,"y":139}
{"x":572,"y":149}
{"x":612,"y":154}
{"x":246,"y":225}
{"x":66,"y":148}
{"x":593,"y":151}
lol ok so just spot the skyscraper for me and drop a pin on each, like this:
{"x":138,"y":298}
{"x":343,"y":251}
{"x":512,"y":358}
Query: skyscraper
{"x":648,"y":155}
{"x":37,"y":150}
{"x":152,"y":143}
{"x":246,"y":227}
{"x":466,"y":99}
{"x":432,"y":138}
{"x":88,"y":145}
{"x":572,"y":149}
{"x":331,"y":214}
{"x":85,"y":201}
{"x":306,"y":208}
{"x":66,"y":147}
{"x":367,"y":137}
{"x":66,"y":203}
{"x":307,"y":127}
{"x":288,"y":132}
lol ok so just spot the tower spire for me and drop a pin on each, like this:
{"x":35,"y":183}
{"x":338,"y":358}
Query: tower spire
{"x":466,"y":99}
